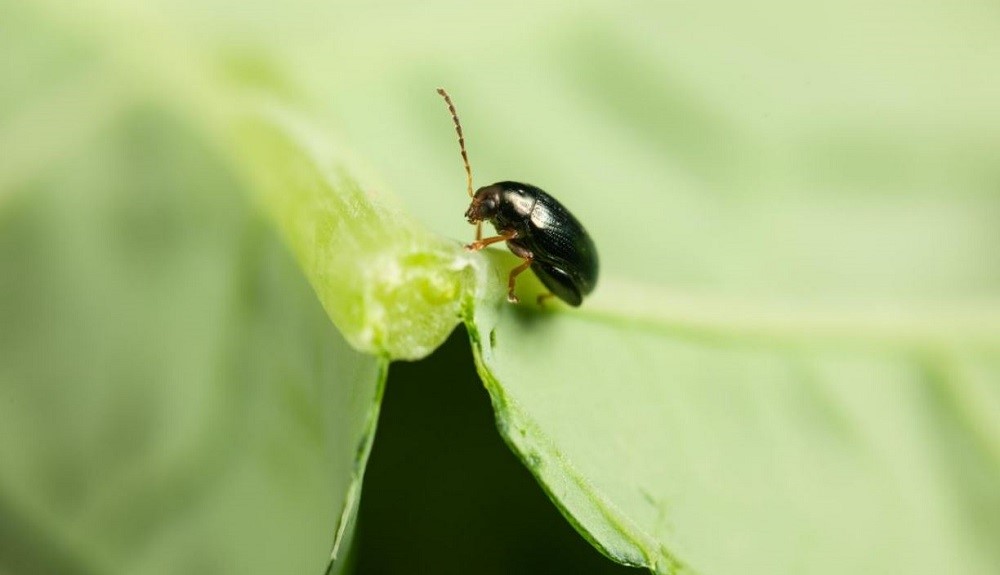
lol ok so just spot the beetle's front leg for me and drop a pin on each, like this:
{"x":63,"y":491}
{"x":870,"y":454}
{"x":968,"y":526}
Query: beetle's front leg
{"x":480,"y":244}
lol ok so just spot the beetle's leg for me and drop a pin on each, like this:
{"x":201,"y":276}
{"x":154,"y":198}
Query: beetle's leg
{"x":479,"y":231}
{"x":542,"y":297}
{"x":512,"y":278}
{"x":480,"y":244}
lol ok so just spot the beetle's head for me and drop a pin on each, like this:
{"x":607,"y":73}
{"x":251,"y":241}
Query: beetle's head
{"x":485,"y":204}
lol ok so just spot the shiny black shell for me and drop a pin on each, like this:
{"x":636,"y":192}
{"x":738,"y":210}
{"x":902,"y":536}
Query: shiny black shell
{"x":564,"y":256}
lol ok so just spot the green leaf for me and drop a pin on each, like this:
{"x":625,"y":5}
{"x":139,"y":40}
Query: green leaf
{"x":703,"y":448}
{"x":818,"y":390}
{"x":791,"y":362}
{"x":392,"y":287}
{"x":173,"y":398}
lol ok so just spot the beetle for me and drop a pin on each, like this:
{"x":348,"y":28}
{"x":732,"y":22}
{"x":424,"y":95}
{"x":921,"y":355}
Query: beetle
{"x":537,"y":228}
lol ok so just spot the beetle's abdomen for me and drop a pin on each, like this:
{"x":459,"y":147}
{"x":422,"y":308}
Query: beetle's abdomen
{"x":559,"y":282}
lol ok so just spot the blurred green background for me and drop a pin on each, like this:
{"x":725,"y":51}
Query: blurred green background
{"x":172,"y":397}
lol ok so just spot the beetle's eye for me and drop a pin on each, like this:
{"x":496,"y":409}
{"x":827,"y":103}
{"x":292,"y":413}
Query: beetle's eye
{"x":487,"y":206}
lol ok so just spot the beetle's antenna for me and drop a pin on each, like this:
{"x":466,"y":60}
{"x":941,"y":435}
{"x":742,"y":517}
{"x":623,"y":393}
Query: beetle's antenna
{"x":461,"y":138}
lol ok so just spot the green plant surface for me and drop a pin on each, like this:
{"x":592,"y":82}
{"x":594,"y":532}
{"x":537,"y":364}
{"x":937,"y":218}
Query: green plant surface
{"x":392,"y":287}
{"x":173,"y":398}
{"x":706,"y":450}
{"x":791,"y":363}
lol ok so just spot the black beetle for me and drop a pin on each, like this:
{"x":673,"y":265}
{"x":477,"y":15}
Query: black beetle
{"x":536,"y":227}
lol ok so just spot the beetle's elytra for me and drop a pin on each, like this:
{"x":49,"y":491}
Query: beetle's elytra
{"x":536,"y":227}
